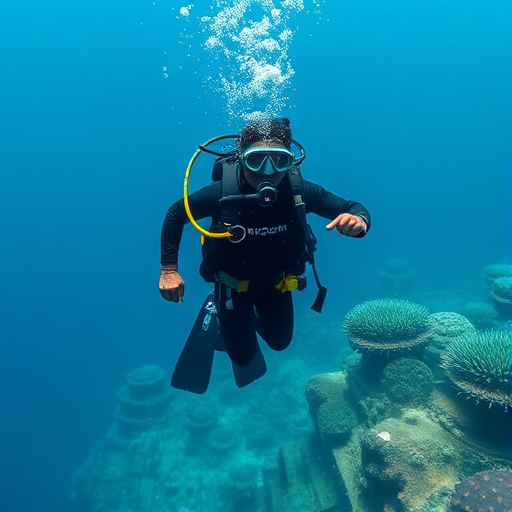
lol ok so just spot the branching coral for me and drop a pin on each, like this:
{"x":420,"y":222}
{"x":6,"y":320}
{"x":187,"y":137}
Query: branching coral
{"x":387,"y":325}
{"x":480,"y":364}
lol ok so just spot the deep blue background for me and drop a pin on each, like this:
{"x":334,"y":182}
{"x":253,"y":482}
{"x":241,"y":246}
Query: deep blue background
{"x":405,"y":106}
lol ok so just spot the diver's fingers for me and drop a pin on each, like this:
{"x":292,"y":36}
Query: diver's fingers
{"x":334,"y":223}
{"x":165,"y":294}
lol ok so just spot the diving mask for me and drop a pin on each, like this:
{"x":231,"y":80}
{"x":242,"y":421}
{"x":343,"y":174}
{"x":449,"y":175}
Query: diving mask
{"x":268,"y":160}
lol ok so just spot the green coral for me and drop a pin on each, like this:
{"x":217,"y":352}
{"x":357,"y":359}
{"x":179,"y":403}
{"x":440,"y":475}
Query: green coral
{"x":492,"y":272}
{"x":335,"y":421}
{"x":446,"y":326}
{"x":387,"y":325}
{"x":480,"y":364}
{"x":481,"y":314}
{"x":502,"y":289}
{"x":407,"y":381}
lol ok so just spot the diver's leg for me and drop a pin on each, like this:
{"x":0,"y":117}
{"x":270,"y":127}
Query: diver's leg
{"x":275,"y":322}
{"x":236,"y":318}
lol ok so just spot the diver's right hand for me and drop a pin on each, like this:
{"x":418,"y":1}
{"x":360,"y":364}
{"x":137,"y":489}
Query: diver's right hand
{"x":171,"y":284}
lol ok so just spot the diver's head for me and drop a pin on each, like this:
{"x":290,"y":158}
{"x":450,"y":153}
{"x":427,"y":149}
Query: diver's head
{"x":265,"y":150}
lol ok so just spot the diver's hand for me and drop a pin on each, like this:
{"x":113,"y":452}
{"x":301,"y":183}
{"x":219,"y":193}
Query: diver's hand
{"x":171,"y":284}
{"x":348,"y":224}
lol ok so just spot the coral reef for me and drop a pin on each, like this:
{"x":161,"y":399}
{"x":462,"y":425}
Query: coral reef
{"x":324,"y":388}
{"x":409,"y":460}
{"x":496,"y":271}
{"x":479,"y":364}
{"x":501,"y":289}
{"x":335,"y":420}
{"x":189,"y":457}
{"x":485,"y":491}
{"x":387,"y":325}
{"x":407,"y":381}
{"x":481,"y":314}
{"x":446,"y":326}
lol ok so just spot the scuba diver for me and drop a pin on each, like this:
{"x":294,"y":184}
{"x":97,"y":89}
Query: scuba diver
{"x":255,"y":251}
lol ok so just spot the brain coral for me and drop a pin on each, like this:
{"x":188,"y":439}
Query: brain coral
{"x":387,"y":325}
{"x":480,"y":364}
{"x":446,"y":326}
{"x":335,"y":420}
{"x":486,"y":491}
{"x":407,"y":381}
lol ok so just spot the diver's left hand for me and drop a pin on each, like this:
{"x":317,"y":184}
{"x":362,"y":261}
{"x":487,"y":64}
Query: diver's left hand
{"x":348,"y":224}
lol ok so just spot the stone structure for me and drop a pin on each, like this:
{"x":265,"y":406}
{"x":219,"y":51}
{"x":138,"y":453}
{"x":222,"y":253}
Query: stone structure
{"x":414,"y":441}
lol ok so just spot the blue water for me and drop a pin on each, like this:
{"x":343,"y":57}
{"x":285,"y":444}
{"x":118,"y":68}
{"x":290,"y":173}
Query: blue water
{"x":404,"y":106}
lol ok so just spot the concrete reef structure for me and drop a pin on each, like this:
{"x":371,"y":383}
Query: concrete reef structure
{"x":144,"y":400}
{"x":390,"y":432}
{"x":399,"y":438}
{"x":171,"y":451}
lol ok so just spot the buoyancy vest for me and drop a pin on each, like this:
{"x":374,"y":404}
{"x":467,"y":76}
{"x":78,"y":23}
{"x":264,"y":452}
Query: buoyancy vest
{"x":226,"y":170}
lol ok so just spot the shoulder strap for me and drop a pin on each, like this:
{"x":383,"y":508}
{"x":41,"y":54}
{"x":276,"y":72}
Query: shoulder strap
{"x":230,"y":187}
{"x":296,"y":183}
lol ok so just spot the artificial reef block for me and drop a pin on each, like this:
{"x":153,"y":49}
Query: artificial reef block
{"x":144,"y":400}
{"x":387,"y":325}
{"x":480,"y":364}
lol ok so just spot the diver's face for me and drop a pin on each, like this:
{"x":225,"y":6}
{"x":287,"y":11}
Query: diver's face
{"x":256,"y":178}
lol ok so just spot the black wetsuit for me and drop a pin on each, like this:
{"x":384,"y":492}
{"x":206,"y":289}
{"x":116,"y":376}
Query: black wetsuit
{"x":271,"y":248}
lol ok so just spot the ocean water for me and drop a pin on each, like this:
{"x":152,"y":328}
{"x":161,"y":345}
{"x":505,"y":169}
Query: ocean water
{"x":404,"y":106}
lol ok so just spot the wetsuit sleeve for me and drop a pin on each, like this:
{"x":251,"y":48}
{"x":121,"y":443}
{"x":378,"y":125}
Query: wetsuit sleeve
{"x":203,"y":203}
{"x":328,"y":205}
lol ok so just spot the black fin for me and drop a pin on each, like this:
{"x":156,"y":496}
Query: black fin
{"x":194,"y":366}
{"x":245,"y":375}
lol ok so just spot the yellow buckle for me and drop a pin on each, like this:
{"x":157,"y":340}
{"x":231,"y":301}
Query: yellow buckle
{"x":287,"y":284}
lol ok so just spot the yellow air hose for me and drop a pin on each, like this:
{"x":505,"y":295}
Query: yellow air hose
{"x":226,"y":234}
